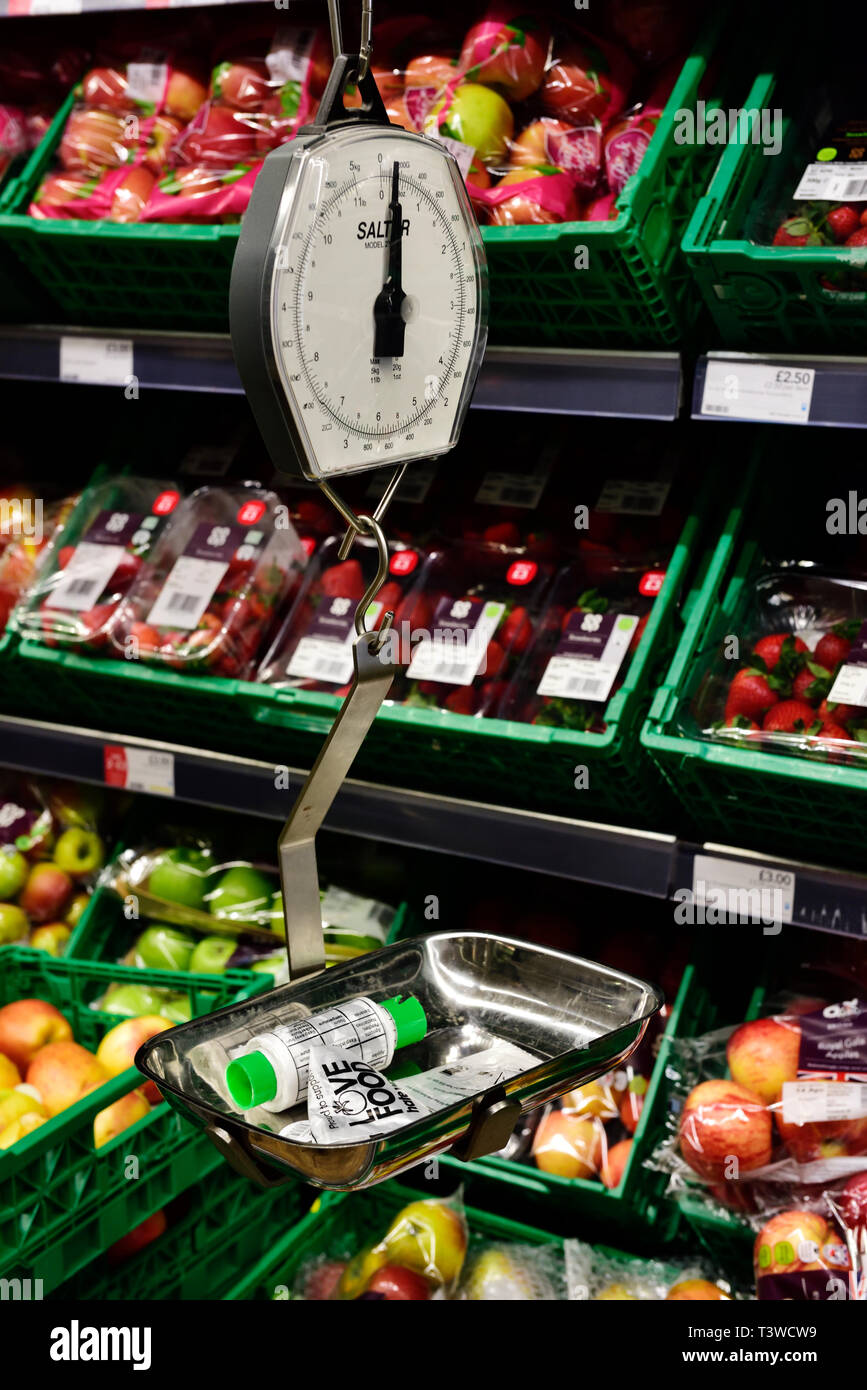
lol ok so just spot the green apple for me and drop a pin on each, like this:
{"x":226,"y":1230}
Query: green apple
{"x":240,"y":892}
{"x":212,"y":955}
{"x":478,"y":116}
{"x":278,"y":919}
{"x":180,"y":876}
{"x":75,"y":911}
{"x":276,"y":965}
{"x":132,"y":1000}
{"x":175,"y":1008}
{"x":14,"y":923}
{"x":79,"y":852}
{"x":161,"y":947}
{"x":14,"y":869}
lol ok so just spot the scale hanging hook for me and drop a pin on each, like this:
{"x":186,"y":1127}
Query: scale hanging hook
{"x":366,"y":41}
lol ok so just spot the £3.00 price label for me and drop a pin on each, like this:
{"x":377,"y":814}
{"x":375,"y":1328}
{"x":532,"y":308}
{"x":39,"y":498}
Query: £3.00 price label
{"x":139,"y":769}
{"x":743,"y":890}
{"x":738,"y":390}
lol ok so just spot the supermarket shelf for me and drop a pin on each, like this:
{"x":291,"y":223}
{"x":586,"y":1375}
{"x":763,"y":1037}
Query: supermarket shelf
{"x":637,"y":861}
{"x":644,"y":385}
{"x":839,"y":395}
{"x":18,"y":9}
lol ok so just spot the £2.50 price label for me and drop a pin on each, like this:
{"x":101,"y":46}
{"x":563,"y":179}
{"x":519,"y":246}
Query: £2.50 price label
{"x":737,"y":390}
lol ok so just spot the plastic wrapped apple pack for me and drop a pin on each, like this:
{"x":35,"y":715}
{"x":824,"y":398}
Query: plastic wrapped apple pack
{"x":313,"y":650}
{"x":480,"y":615}
{"x":801,"y":1255}
{"x":209,"y":594}
{"x":32,"y":524}
{"x":119,"y":136}
{"x":800,"y":684}
{"x":580,"y":650}
{"x":91,"y":564}
{"x":50,"y":855}
{"x":34,"y":82}
{"x":599,"y":1275}
{"x":789,"y":1119}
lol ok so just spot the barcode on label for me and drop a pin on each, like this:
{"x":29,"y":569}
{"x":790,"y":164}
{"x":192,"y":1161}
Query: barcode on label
{"x":84,"y":588}
{"x":182,"y":603}
{"x":332,"y":670}
{"x":855,"y":188}
{"x":636,"y":503}
{"x":584,"y":689}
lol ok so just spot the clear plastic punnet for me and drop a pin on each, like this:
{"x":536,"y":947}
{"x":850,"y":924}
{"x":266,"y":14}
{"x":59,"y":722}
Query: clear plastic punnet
{"x":93,"y":562}
{"x":211,"y":590}
{"x":789,"y":674}
{"x":313,"y":649}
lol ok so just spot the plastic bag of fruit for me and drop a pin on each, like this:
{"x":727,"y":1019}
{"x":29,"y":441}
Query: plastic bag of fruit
{"x":313,"y":650}
{"x":479,"y":615}
{"x":791,"y":675}
{"x":92,"y":563}
{"x":50,"y":855}
{"x":580,"y":651}
{"x":201,"y":193}
{"x":599,"y":1275}
{"x":27,"y":526}
{"x":801,"y":1254}
{"x":508,"y":1272}
{"x":419,"y":1256}
{"x":207,"y":598}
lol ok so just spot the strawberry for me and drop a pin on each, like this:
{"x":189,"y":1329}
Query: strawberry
{"x":462,"y":700}
{"x":789,"y":717}
{"x":343,"y":581}
{"x":516,"y":630}
{"x":834,"y":647}
{"x":503,"y":533}
{"x":843,"y":221}
{"x":739,"y":721}
{"x":831,"y":730}
{"x":812,"y":683}
{"x":778,"y":644}
{"x":64,"y":555}
{"x":858,"y":238}
{"x":749,"y":695}
{"x":864,"y":218}
{"x":418,"y":612}
{"x":797,"y":231}
{"x":390,"y":596}
{"x":831,"y":713}
{"x":495,"y":659}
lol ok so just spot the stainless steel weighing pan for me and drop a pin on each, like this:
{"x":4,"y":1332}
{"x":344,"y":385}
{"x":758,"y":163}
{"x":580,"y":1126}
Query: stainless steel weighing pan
{"x":580,"y":1019}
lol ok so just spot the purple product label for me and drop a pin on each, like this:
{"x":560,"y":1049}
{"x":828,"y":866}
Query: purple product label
{"x":834,"y":1039}
{"x":458,"y":613}
{"x":808,"y":1286}
{"x":116,"y":528}
{"x":586,"y":634}
{"x":858,"y":651}
{"x":214,"y":541}
{"x":333,"y":619}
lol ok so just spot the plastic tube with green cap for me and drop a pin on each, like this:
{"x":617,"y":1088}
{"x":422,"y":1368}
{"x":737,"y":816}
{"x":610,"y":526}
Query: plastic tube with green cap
{"x":271,"y":1070}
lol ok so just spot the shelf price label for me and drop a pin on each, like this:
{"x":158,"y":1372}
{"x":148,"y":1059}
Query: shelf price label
{"x":96,"y":361}
{"x":765,"y":391}
{"x":139,"y":769}
{"x":743,"y":890}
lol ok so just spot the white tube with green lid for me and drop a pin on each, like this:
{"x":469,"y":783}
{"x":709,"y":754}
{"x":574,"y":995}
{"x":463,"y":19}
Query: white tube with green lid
{"x":271,"y":1070}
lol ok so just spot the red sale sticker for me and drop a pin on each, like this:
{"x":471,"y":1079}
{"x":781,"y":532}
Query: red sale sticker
{"x":403,"y":562}
{"x":139,"y":769}
{"x":651,"y":583}
{"x":251,"y":512}
{"x":522,"y":572}
{"x":166,"y":503}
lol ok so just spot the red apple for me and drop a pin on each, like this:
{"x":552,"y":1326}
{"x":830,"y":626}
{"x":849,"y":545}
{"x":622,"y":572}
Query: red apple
{"x":144,"y":1234}
{"x":615,"y":1161}
{"x":162,"y":136}
{"x":94,"y":140}
{"x":631,"y":1107}
{"x":586,"y":79}
{"x":763,"y":1054}
{"x":107,"y":88}
{"x":568,"y":1146}
{"x":390,"y":84}
{"x":26,"y":1025}
{"x":395,"y":1283}
{"x":185,"y":93}
{"x":62,"y":1073}
{"x":130,"y":198}
{"x":322,"y":1279}
{"x":823,"y":1138}
{"x":722,"y":1122}
{"x":220,"y":137}
{"x":46,"y":893}
{"x":111,"y":1121}
{"x":117,"y":1050}
{"x":527,"y":206}
{"x":59,"y":188}
{"x":244,"y":85}
{"x":852,"y":1203}
{"x":507,"y":52}
{"x":790,"y":1243}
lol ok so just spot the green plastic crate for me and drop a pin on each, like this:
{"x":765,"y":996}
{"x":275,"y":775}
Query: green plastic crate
{"x":781,"y":804}
{"x":764,"y":297}
{"x":61,"y":1201}
{"x":483,"y":759}
{"x":228,"y":1224}
{"x":636,"y":289}
{"x":638,"y":1200}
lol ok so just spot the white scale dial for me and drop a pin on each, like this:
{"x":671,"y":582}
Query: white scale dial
{"x":375,"y":336}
